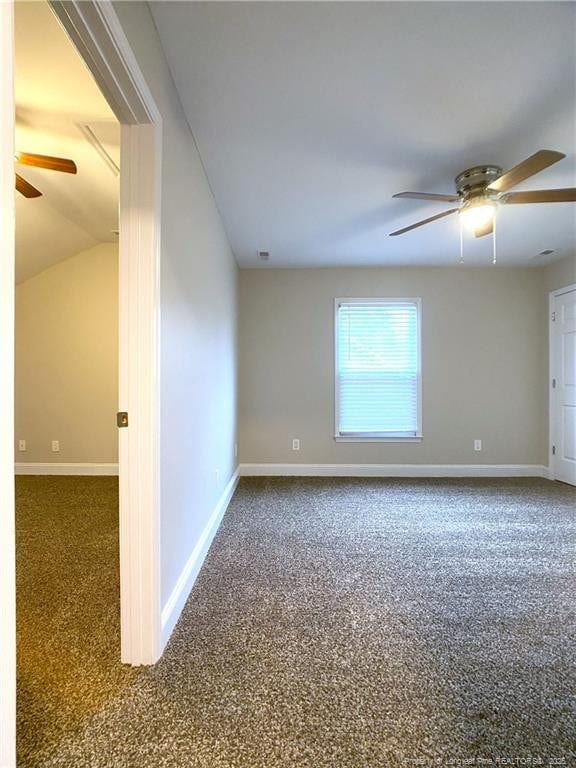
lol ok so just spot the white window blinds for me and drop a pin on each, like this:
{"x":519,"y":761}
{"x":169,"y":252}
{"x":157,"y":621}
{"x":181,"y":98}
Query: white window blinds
{"x":378,"y":368}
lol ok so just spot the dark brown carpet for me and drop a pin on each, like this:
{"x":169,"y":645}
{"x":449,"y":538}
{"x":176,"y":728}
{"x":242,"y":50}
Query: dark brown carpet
{"x":68,"y":607}
{"x":336,"y":622}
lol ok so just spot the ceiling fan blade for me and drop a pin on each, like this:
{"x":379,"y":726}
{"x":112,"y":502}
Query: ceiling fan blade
{"x":46,"y":161}
{"x":487,"y":229}
{"x":532,"y":165}
{"x":541,"y":196}
{"x":25,"y":188}
{"x":424,"y":221}
{"x":428,"y":196}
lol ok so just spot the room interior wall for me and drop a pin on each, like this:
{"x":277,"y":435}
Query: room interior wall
{"x":67,"y":360}
{"x":560,"y":273}
{"x":198,"y":287}
{"x":483,"y":351}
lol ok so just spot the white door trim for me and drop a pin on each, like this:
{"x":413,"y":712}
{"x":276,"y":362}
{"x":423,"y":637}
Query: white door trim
{"x":7,"y":567}
{"x":95,"y":30}
{"x":139,"y":386}
{"x":552,"y":367}
{"x":561,"y":291}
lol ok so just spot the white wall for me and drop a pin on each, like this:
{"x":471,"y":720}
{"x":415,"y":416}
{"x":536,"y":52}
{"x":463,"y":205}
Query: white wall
{"x":483,"y":338}
{"x":67,"y":360}
{"x":198,"y":276}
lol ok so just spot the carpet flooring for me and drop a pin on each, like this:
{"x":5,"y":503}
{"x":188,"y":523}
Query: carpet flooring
{"x":350,"y":623}
{"x":67,"y":590}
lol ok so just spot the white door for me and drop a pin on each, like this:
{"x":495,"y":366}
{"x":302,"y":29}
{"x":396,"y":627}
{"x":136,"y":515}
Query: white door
{"x":563,"y":391}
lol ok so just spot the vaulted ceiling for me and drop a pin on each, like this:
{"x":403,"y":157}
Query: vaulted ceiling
{"x":60,"y":111}
{"x":309,"y":116}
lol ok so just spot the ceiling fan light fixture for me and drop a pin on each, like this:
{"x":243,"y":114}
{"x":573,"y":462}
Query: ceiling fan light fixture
{"x":482,"y":189}
{"x":478,"y":214}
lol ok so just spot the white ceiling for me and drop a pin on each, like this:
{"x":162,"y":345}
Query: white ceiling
{"x":310,"y":116}
{"x":55,"y":98}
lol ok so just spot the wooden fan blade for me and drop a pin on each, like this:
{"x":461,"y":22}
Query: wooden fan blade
{"x":428,"y":196}
{"x":424,"y":221}
{"x":532,"y":165}
{"x":46,"y":161}
{"x":487,"y":229}
{"x":25,"y":188}
{"x":541,"y":196}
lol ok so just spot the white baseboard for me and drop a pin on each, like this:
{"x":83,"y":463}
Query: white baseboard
{"x":393,"y":470}
{"x":55,"y":468}
{"x":175,"y":603}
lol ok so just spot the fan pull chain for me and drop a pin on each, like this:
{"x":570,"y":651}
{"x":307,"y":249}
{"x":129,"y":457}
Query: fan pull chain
{"x":494,"y":239}
{"x":461,"y":244}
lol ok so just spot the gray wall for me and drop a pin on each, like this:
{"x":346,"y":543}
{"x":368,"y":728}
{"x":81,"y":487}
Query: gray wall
{"x":560,"y":273}
{"x":198,"y":321}
{"x":484,"y":341}
{"x":67,"y":360}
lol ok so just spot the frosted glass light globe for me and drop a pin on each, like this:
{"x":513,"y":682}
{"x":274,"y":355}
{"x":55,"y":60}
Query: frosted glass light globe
{"x":477,"y":216}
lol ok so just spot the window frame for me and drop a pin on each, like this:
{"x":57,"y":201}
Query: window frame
{"x":378,"y":437}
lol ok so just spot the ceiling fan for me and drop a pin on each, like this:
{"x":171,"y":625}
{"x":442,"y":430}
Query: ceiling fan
{"x":40,"y":161}
{"x":481,"y":189}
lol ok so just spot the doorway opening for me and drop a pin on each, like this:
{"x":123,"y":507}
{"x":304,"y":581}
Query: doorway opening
{"x":97,"y":36}
{"x":67,"y":143}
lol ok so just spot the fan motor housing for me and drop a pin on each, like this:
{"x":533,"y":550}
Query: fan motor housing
{"x":472,"y":182}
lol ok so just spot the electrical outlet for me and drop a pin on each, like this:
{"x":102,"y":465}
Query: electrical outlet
{"x":21,"y":445}
{"x":477,"y":445}
{"x":296,"y":444}
{"x":235,"y":450}
{"x":55,"y":446}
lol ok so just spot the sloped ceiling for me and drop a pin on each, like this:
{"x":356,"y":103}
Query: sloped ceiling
{"x":309,"y":116}
{"x":56,"y":100}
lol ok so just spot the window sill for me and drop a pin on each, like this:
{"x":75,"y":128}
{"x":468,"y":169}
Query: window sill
{"x":376,"y":439}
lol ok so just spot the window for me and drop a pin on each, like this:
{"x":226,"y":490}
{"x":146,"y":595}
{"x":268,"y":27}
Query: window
{"x":378,"y":371}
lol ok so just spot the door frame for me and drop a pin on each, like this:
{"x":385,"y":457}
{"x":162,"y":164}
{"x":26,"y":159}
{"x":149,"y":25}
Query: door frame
{"x":7,"y":523}
{"x":552,"y":367}
{"x":96,"y":33}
